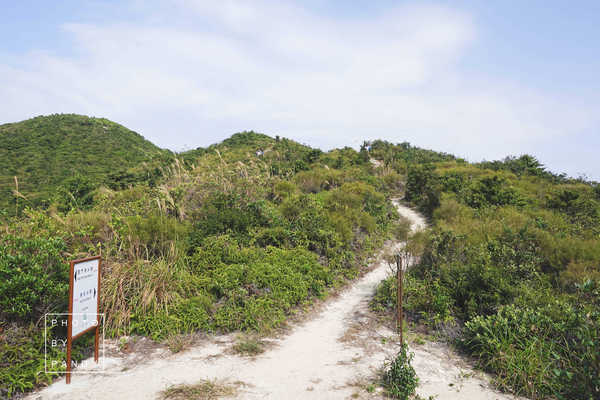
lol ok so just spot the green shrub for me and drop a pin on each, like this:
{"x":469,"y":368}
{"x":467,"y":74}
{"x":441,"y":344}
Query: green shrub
{"x":423,"y":188}
{"x":284,"y":189}
{"x":258,"y":293}
{"x":34,"y":278}
{"x":547,"y":351}
{"x":400,"y":379}
{"x":491,"y":191}
{"x":427,"y":301}
{"x":186,"y":316}
{"x":227,"y":213}
{"x":579,"y":204}
{"x":23,"y":356}
{"x":22,"y":361}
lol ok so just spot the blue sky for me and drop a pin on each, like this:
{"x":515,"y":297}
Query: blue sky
{"x":481,"y":79}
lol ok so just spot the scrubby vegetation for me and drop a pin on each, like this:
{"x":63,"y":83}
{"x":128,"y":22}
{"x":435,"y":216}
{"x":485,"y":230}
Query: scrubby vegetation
{"x":509,"y":271}
{"x":234,"y":237}
{"x":242,"y":234}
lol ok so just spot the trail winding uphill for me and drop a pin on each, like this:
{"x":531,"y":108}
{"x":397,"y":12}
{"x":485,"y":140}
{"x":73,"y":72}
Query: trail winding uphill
{"x":333,"y":355}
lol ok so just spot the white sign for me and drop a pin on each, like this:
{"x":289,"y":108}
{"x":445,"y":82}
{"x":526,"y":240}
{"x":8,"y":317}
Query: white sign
{"x":85,"y":295}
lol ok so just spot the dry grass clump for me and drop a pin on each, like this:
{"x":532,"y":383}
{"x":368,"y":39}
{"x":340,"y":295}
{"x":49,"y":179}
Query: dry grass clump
{"x":249,"y":346}
{"x":203,"y":390}
{"x":140,"y":287}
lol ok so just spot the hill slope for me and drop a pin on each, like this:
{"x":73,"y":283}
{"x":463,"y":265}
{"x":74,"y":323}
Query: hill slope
{"x":45,"y":151}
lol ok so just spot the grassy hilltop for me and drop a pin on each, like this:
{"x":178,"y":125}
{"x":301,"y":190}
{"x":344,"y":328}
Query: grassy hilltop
{"x":51,"y":155}
{"x":244,"y":233}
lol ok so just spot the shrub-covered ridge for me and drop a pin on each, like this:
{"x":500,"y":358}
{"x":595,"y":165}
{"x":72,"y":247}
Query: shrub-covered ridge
{"x":512,"y":265}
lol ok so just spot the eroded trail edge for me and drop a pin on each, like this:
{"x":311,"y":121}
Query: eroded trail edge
{"x":334,"y":355}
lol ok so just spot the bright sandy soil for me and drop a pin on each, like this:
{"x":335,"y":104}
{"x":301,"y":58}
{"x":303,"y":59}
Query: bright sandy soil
{"x":333,"y":354}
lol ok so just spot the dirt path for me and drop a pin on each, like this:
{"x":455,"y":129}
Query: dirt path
{"x":334,"y":355}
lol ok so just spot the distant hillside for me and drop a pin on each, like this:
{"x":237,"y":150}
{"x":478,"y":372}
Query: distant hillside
{"x":46,"y":151}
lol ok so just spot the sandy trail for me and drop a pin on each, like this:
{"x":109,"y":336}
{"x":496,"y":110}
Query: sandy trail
{"x":334,"y":355}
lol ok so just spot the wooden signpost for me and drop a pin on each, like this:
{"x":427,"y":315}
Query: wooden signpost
{"x":84,"y":303}
{"x":399,"y":295}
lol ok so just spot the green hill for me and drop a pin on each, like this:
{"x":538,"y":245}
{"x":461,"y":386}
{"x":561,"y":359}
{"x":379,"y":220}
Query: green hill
{"x":43,"y":153}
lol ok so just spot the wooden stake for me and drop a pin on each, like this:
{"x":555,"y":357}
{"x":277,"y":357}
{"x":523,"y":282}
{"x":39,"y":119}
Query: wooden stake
{"x":399,"y":295}
{"x":70,"y":324}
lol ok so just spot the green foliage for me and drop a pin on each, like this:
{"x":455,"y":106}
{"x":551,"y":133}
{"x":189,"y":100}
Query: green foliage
{"x":579,"y":204}
{"x":254,"y":287}
{"x":33,"y":277}
{"x":226,"y":213}
{"x":400,"y":379}
{"x":491,"y":192}
{"x":75,"y":192}
{"x":427,"y":301}
{"x":22,"y":361}
{"x":551,"y":350}
{"x":153,"y":235}
{"x":423,"y":188}
{"x":23,"y":358}
{"x":523,"y":165}
{"x":185,"y":316}
{"x":402,"y":155}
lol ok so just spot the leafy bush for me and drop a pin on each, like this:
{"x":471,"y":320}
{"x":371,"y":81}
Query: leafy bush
{"x":34,"y":279}
{"x":255,"y":288}
{"x":427,"y":301}
{"x":223,"y":213}
{"x":22,"y":361}
{"x":185,"y":316}
{"x":548,"y":351}
{"x":423,"y":188}
{"x":75,"y":192}
{"x":400,"y":379}
{"x":491,"y":192}
{"x":523,"y":165}
{"x":23,"y":357}
{"x":580,"y":205}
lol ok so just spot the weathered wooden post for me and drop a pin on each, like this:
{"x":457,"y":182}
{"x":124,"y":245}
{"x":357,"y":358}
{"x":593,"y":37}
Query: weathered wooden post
{"x":399,"y":295}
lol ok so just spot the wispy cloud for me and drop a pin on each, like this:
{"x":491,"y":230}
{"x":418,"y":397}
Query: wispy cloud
{"x":194,"y":72}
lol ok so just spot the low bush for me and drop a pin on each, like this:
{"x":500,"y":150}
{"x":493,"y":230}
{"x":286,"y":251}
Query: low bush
{"x":423,"y":188}
{"x":399,"y":378}
{"x":539,"y":352}
{"x":23,"y":357}
{"x":425,"y":301}
{"x":33,"y":277}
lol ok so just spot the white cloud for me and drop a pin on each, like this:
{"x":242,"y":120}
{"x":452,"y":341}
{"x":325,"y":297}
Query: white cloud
{"x":220,"y":67}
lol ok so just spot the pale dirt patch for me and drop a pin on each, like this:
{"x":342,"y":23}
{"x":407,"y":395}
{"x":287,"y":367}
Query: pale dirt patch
{"x":327,"y":356}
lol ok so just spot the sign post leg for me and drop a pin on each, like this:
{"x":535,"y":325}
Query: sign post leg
{"x":399,"y":296}
{"x":96,"y":341}
{"x":69,"y":359}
